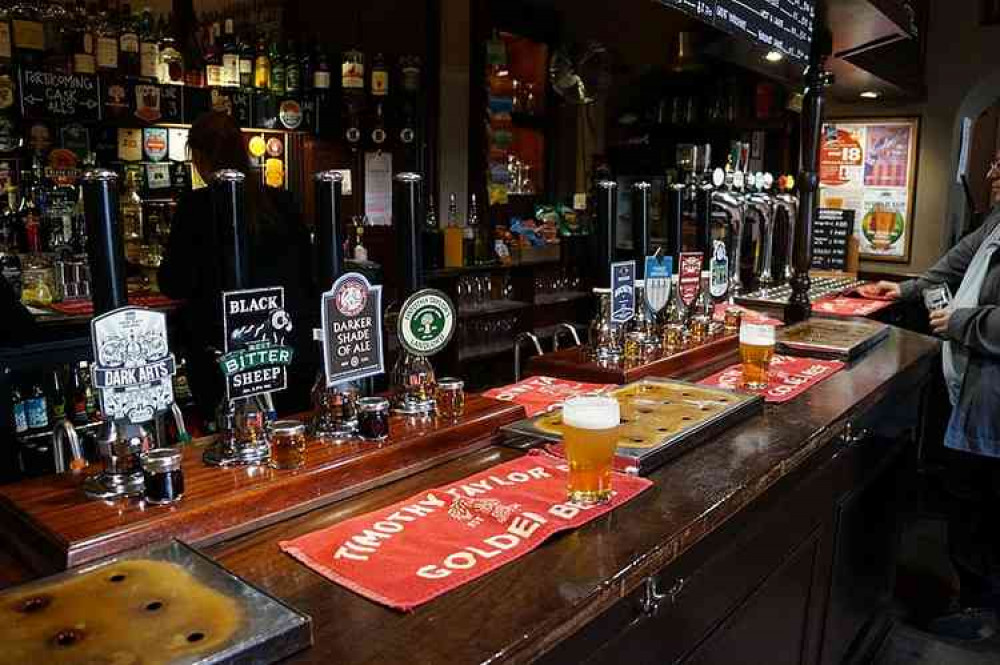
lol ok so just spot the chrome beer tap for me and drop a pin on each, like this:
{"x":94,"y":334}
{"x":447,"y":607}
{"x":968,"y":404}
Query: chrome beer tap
{"x":726,"y":201}
{"x":786,"y":210}
{"x":760,"y":208}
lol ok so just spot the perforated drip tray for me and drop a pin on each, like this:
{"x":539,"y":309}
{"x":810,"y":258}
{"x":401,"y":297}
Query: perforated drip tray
{"x":164,"y":604}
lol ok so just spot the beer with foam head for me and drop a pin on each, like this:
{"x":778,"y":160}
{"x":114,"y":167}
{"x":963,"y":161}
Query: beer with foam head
{"x":590,"y":436}
{"x":756,"y":351}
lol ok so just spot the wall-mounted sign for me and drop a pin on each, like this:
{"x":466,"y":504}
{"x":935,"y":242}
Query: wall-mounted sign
{"x":870,"y":167}
{"x":689,"y":276}
{"x":61,"y":96}
{"x":622,"y":291}
{"x":132,"y":364}
{"x":352,"y":329}
{"x":257,"y":328}
{"x":426,"y":322}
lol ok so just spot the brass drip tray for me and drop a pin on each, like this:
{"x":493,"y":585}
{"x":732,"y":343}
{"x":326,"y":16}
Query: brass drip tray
{"x":165,"y":604}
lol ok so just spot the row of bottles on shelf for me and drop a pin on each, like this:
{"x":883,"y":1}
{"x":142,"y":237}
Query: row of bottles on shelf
{"x":43,"y":237}
{"x":219,"y":50}
{"x":460,"y":243}
{"x":41,"y":399}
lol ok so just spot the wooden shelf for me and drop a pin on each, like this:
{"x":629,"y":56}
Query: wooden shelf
{"x":561,"y":297}
{"x":55,"y":526}
{"x":492,"y":307}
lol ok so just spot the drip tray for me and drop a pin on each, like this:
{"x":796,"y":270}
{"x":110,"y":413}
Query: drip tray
{"x":164,"y":604}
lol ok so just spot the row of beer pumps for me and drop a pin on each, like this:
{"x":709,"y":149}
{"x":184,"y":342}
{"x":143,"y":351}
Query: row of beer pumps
{"x":741,"y":222}
{"x":133,"y":364}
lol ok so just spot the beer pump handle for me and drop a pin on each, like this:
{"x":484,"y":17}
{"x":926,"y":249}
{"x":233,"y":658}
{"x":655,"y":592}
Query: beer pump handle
{"x":407,"y":210}
{"x":330,"y":250}
{"x":105,"y":246}
{"x":607,"y":218}
{"x":228,"y":205}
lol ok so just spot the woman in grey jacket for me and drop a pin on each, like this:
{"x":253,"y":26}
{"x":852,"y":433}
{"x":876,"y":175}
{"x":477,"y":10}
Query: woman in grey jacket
{"x":971,"y":329}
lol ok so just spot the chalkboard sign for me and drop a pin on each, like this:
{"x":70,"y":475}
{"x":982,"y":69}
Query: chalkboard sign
{"x":782,"y":25}
{"x":60,"y":96}
{"x":831,"y":230}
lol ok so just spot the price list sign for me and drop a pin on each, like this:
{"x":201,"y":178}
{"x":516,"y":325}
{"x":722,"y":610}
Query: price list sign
{"x":831,"y":230}
{"x":782,"y":25}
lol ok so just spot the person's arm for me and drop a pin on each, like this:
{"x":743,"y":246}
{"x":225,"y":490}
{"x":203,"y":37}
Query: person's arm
{"x":950,"y":269}
{"x":976,"y":328}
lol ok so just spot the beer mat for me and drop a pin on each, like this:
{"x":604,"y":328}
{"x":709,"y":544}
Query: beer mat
{"x":849,"y":306}
{"x":751,"y":315}
{"x":86,"y":307}
{"x":790,"y":377}
{"x":544,"y":393}
{"x":413,"y":551}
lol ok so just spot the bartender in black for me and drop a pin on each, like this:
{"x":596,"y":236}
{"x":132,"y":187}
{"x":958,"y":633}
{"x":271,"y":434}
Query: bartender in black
{"x":199,"y":259}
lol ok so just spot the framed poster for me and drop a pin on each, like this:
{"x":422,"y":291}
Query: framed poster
{"x":870,"y":166}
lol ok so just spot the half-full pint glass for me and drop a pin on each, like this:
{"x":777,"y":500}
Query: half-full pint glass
{"x":590,"y":435}
{"x":756,"y":351}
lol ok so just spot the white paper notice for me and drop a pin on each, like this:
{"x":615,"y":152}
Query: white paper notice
{"x":345,"y":184}
{"x":378,"y":188}
{"x":177,"y":140}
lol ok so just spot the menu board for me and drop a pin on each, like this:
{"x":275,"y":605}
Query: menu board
{"x":870,"y":167}
{"x":782,"y":25}
{"x":61,"y":96}
{"x":830,"y":231}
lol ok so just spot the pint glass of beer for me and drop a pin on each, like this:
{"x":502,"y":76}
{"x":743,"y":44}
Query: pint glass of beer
{"x":590,"y":436}
{"x":756,"y":351}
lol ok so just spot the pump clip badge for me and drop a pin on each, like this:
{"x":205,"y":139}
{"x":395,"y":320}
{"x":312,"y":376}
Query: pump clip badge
{"x":657,"y":281}
{"x":719,"y":270}
{"x":352,"y":329}
{"x":257,"y":329}
{"x":133,"y":364}
{"x":426,"y":322}
{"x":622,"y":291}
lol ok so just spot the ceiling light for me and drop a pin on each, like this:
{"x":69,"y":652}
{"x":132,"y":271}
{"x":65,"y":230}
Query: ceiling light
{"x":774,"y":56}
{"x":870,"y":94}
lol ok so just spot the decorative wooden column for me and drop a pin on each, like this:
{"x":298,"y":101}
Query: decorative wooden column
{"x":816,"y":79}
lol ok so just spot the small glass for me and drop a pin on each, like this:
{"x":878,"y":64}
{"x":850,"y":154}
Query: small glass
{"x":373,"y":418}
{"x":673,"y":338}
{"x":163,"y":478}
{"x":288,"y":444}
{"x":633,"y":346}
{"x":450,"y":397}
{"x":700,"y":329}
{"x":731,"y":324}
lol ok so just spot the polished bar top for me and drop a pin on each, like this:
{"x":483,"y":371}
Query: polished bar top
{"x":521,"y":610}
{"x":56,"y":526}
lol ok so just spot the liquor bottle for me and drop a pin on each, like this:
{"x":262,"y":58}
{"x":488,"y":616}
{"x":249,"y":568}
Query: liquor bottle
{"x":321,"y":71}
{"x":378,"y":128}
{"x":91,"y":406}
{"x":194,"y":61}
{"x":10,"y":262}
{"x":380,"y":78}
{"x":293,"y":70}
{"x":308,"y":65}
{"x":431,"y":239}
{"x":410,"y":68}
{"x":37,"y":409}
{"x":245,"y":63}
{"x":28,"y":31}
{"x":19,"y":409}
{"x":150,"y":33}
{"x":32,"y":222}
{"x":277,"y":67}
{"x":453,"y":236}
{"x":170,"y":66}
{"x":6,"y":40}
{"x":230,"y":55}
{"x":78,"y":401}
{"x":57,"y":398}
{"x":56,"y":26}
{"x":262,"y":66}
{"x":130,"y":209}
{"x":474,"y":244}
{"x":84,"y":61}
{"x":352,"y":71}
{"x":352,"y":82}
{"x":213,"y":60}
{"x":128,"y":42}
{"x":106,"y":40}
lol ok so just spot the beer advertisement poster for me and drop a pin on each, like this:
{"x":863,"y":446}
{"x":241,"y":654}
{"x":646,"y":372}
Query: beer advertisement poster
{"x":257,"y":329}
{"x":870,"y":168}
{"x":352,"y":329}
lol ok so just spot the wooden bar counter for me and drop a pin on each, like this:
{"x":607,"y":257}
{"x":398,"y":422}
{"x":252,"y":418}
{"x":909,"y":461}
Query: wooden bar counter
{"x":771,"y":544}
